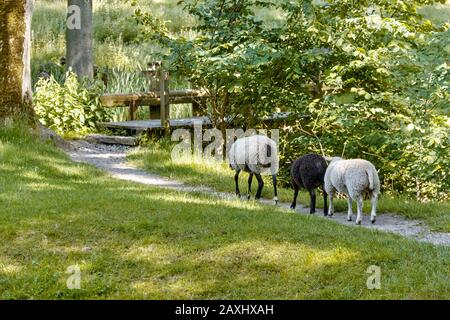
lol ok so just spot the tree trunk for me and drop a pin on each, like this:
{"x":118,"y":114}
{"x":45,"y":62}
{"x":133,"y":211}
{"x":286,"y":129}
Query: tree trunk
{"x":79,"y":38}
{"x":15,"y":51}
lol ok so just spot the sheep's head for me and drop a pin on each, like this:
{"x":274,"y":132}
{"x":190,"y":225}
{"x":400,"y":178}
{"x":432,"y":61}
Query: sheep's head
{"x":330,"y":160}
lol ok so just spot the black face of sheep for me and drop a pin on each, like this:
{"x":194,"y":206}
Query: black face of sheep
{"x":308,"y":173}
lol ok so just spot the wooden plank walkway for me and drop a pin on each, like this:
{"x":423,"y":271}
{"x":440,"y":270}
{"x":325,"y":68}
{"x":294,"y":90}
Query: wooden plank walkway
{"x":142,"y":125}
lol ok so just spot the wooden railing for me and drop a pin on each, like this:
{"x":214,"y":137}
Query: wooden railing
{"x":158,"y":101}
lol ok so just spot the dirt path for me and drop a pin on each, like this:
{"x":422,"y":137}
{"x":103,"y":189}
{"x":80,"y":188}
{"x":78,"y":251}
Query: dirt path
{"x":112,"y":158}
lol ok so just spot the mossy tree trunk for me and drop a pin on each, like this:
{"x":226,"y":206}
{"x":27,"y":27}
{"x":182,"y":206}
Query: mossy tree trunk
{"x":15,"y":51}
{"x":79,"y":38}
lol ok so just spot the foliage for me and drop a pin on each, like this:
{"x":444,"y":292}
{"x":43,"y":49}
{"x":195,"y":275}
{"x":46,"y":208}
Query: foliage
{"x":117,"y":36}
{"x":370,"y":76}
{"x":221,"y":54}
{"x":390,"y":87}
{"x":48,"y":69}
{"x":438,"y":13}
{"x":69,"y":107}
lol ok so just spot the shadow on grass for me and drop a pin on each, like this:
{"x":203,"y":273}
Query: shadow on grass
{"x":133,"y":241}
{"x":147,"y":243}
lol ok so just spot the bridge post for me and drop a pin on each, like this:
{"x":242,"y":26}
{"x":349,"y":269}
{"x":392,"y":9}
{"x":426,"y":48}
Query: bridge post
{"x":164,"y":96}
{"x":132,"y":111}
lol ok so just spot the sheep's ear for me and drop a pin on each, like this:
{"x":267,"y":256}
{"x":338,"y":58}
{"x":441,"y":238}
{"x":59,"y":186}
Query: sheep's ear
{"x":328,"y":158}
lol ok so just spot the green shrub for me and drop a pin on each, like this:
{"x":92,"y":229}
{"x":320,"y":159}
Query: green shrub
{"x":71,"y":107}
{"x":362,"y":84}
{"x":410,"y":151}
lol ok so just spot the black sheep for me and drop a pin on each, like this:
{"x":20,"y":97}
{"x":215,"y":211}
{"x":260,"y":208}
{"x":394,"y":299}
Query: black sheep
{"x":308,"y":172}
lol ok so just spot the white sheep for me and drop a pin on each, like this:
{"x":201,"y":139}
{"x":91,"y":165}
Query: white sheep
{"x":354,"y":177}
{"x":257,"y":155}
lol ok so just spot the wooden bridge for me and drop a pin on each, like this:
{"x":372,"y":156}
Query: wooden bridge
{"x":158,"y":102}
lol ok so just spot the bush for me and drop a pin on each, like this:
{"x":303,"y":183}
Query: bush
{"x":411,"y":152}
{"x":363,"y":83}
{"x":71,"y":107}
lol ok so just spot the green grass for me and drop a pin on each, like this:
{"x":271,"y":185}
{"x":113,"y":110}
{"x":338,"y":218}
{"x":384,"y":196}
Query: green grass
{"x":157,"y":244}
{"x":156,"y":158}
{"x":117,"y":36}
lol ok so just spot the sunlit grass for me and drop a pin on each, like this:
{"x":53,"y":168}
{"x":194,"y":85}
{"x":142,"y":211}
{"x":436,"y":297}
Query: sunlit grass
{"x":117,"y":36}
{"x":132,"y":241}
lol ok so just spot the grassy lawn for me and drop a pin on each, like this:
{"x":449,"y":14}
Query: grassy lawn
{"x":133,"y":241}
{"x":156,"y":158}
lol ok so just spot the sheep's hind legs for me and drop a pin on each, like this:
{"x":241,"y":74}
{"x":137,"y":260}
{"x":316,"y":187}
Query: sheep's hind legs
{"x":294,"y":201}
{"x":330,"y":207}
{"x":312,"y":201}
{"x":260,"y":186}
{"x":325,"y":208}
{"x":359,"y":202}
{"x":250,"y":179}
{"x":236,"y":180}
{"x":350,"y":211}
{"x":373,"y":213}
{"x":275,"y":192}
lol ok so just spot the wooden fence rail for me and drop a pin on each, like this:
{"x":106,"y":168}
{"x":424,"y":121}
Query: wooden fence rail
{"x":152,"y":98}
{"x":158,"y":101}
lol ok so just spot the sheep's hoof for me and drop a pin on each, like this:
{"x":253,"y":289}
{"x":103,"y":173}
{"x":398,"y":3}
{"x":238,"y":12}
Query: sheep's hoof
{"x":373,"y":220}
{"x":349,"y":219}
{"x":358,"y":222}
{"x":325,"y":214}
{"x":248,"y":197}
{"x":292,"y":207}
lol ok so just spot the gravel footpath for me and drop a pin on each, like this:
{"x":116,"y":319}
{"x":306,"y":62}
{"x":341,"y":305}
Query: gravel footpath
{"x":112,"y":158}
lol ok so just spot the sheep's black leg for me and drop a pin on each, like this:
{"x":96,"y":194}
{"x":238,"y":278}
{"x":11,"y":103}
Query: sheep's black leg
{"x":275,"y":192}
{"x":294,"y":201}
{"x":312,"y":202}
{"x":260,"y":186}
{"x":325,"y":207}
{"x":236,"y":180}
{"x":250,"y":179}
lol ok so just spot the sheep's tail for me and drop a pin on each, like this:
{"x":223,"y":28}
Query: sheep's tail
{"x":371,"y":179}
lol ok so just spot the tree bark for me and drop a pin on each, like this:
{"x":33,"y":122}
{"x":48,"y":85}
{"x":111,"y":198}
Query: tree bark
{"x":15,"y":51}
{"x":79,"y":38}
